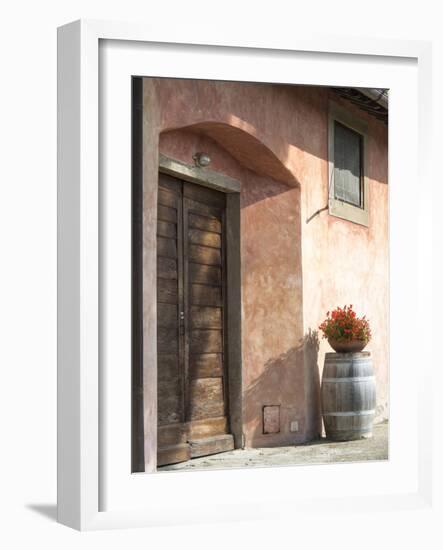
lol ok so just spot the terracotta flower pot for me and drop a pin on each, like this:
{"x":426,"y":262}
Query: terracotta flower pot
{"x":347,"y":346}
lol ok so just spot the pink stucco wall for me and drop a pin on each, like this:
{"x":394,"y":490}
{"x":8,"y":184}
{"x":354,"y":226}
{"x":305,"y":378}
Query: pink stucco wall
{"x":273,"y":139}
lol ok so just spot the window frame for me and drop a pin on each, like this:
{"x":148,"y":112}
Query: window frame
{"x":339,"y":208}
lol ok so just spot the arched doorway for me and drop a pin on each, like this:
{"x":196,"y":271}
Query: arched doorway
{"x":270,"y":296}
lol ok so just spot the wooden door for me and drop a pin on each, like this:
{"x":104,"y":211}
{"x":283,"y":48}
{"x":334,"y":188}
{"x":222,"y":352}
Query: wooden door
{"x":191,"y":342}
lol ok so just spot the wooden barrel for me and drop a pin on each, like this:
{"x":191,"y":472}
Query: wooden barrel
{"x":348,"y":396}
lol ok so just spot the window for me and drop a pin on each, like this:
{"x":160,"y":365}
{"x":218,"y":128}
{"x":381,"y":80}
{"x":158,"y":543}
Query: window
{"x":347,"y":165}
{"x":348,"y":186}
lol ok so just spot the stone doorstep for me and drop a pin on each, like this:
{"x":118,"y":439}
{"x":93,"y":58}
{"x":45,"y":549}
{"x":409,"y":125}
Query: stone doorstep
{"x":171,"y":454}
{"x":194,"y":448}
{"x":211,"y":445}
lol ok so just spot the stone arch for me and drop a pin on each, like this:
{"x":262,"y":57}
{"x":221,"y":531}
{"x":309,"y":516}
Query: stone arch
{"x":243,"y":146}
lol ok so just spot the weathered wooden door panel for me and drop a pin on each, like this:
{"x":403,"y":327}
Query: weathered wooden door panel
{"x":169,"y":275}
{"x":203,"y":222}
{"x":205,"y":274}
{"x":173,"y":434}
{"x":206,"y":398}
{"x":191,"y":342}
{"x":206,"y":238}
{"x":209,"y":365}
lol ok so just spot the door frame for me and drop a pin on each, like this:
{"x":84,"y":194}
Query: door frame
{"x":233,"y":352}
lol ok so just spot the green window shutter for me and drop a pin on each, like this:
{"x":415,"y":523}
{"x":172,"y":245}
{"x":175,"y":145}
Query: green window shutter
{"x":347,"y":165}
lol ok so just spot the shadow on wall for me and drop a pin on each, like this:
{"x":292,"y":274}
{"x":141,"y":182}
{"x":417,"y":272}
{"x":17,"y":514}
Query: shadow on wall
{"x":311,"y":344}
{"x":290,"y":380}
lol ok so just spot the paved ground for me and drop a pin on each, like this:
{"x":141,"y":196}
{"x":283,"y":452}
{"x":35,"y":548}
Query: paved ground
{"x":318,"y":452}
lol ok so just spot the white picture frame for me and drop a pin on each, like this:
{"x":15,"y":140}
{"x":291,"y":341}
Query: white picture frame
{"x":96,"y":489}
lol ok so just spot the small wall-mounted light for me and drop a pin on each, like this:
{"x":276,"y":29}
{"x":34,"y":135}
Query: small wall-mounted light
{"x":201,"y":159}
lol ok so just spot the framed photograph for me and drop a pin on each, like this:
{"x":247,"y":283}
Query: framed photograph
{"x":238,"y":230}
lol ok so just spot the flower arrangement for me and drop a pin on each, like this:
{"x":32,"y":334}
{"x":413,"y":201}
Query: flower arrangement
{"x":343,"y":325}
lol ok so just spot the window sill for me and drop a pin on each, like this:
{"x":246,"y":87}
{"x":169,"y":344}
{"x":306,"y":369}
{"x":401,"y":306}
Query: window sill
{"x":348,"y":212}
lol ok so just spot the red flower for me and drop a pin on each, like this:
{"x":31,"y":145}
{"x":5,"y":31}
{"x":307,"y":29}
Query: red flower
{"x":343,"y":324}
